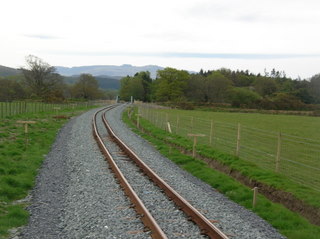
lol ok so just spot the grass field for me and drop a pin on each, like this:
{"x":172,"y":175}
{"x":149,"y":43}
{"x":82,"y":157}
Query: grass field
{"x":286,"y":144}
{"x":19,"y":161}
{"x":23,"y":107}
{"x":288,"y":223}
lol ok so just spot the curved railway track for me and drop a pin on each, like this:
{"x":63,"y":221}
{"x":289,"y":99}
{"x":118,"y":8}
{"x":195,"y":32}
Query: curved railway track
{"x":121,"y":159}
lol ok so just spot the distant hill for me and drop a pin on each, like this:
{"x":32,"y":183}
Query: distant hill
{"x":108,"y":70}
{"x":7,"y":71}
{"x":105,"y":82}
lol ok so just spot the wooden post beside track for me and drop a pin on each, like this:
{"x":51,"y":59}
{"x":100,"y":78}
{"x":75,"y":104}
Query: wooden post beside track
{"x":255,"y":194}
{"x":169,"y":127}
{"x":138,"y":120}
{"x":26,"y":123}
{"x":195,"y":136}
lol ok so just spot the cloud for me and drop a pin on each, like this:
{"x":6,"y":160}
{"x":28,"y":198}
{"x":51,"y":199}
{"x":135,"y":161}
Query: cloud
{"x":272,"y":11}
{"x":41,"y":36}
{"x":241,"y":56}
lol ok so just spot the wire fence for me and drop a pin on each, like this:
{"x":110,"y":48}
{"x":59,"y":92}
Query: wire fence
{"x":295,"y":157}
{"x":21,"y":107}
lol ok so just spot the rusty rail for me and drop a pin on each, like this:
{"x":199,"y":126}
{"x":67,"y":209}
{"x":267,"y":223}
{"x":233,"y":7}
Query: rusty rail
{"x":204,"y":224}
{"x":146,"y":217}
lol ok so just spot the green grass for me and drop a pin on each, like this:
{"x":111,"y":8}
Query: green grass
{"x":24,"y":107}
{"x":288,"y":223}
{"x":302,"y":126}
{"x":19,"y":161}
{"x":297,"y":149}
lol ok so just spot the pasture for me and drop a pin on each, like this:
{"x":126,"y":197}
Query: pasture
{"x":286,"y":144}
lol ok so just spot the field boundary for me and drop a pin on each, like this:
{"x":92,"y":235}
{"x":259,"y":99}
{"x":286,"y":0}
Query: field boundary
{"x":294,"y":157}
{"x":21,"y":107}
{"x":275,"y":195}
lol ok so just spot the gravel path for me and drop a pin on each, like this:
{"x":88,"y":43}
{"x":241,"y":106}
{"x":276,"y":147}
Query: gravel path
{"x":75,"y":191}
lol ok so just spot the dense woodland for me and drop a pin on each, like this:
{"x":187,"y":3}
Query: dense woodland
{"x":273,"y":90}
{"x":39,"y":81}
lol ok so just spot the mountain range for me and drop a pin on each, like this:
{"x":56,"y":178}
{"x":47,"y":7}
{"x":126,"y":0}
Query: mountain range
{"x":108,"y":70}
{"x":8,"y":71}
{"x":108,"y":76}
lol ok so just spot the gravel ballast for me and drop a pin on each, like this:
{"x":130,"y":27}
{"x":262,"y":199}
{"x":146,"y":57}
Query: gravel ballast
{"x":233,"y":219}
{"x":77,"y":196}
{"x":174,"y":222}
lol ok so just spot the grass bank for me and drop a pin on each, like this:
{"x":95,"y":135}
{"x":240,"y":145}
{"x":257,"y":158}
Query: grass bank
{"x":288,"y":223}
{"x":21,"y":155}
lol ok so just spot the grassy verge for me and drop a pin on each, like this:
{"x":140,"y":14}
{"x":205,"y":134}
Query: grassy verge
{"x":19,"y":162}
{"x":252,"y":168}
{"x":287,"y":222}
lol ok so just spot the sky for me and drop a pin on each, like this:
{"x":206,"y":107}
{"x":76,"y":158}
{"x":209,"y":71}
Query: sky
{"x":257,"y":35}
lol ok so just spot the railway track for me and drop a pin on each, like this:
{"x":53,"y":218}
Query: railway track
{"x":162,"y":210}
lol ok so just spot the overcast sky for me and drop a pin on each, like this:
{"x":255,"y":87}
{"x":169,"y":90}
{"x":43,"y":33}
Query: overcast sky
{"x":186,"y":34}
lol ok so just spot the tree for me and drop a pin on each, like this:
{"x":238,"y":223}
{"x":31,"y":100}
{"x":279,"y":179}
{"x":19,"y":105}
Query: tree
{"x":110,"y":94}
{"x":217,"y":86}
{"x":138,"y":86}
{"x":124,"y":91}
{"x":87,"y":88}
{"x":171,"y":85}
{"x":11,"y":90}
{"x":146,"y":82}
{"x":41,"y":78}
{"x":265,"y":86}
{"x":314,"y":88}
{"x":197,"y":89}
{"x":243,"y":96}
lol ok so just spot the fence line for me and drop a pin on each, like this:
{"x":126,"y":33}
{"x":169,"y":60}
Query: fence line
{"x":21,"y":107}
{"x":295,"y":157}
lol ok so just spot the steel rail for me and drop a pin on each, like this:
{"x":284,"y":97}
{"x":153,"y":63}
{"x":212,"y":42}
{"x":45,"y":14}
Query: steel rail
{"x":204,"y":224}
{"x":146,"y":217}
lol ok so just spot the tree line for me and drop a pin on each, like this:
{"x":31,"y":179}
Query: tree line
{"x":273,"y":90}
{"x":40,"y":81}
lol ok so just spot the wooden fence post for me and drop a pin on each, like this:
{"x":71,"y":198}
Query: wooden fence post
{"x":138,"y":120}
{"x":238,"y":140}
{"x":278,"y":152}
{"x":191,"y":123}
{"x":195,"y":142}
{"x":26,"y":123}
{"x":255,"y":194}
{"x":9,"y":108}
{"x":211,"y":137}
{"x":169,"y":127}
{"x":177,"y":127}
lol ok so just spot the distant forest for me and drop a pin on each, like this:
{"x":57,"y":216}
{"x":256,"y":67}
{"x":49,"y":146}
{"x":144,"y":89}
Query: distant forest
{"x":224,"y":87}
{"x":39,"y":81}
